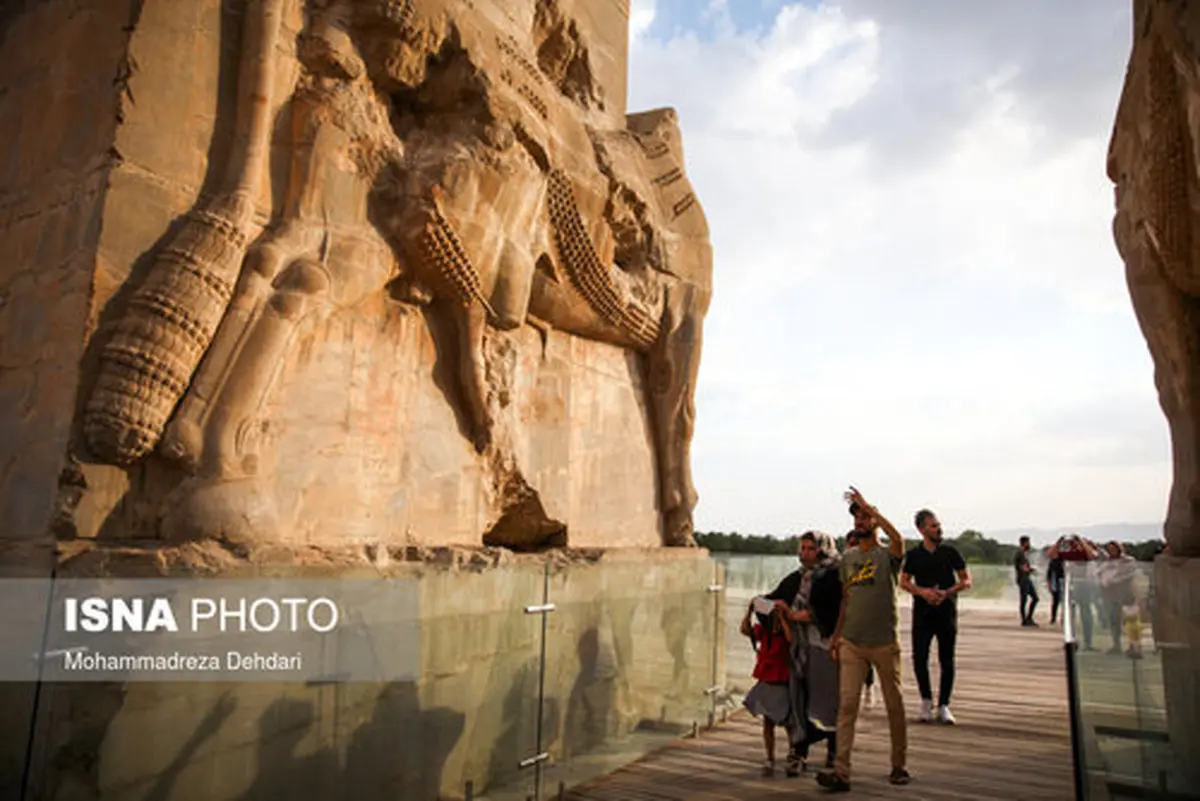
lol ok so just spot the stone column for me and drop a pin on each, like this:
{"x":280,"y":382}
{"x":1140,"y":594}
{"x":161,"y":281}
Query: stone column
{"x":1152,"y":162}
{"x":1177,"y":594}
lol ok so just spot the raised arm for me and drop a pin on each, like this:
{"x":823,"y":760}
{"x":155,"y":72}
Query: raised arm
{"x":745,"y":628}
{"x":895,"y":538}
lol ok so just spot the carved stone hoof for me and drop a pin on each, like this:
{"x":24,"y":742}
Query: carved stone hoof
{"x":236,"y":511}
{"x":677,"y":528}
{"x":183,"y":442}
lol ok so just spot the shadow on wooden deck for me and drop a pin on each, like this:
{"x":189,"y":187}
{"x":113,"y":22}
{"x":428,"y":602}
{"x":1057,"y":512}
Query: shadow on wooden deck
{"x":1012,"y":740}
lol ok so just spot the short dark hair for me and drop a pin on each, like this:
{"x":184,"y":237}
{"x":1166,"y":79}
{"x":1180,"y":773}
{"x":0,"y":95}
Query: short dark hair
{"x":1024,"y":539}
{"x":855,"y":508}
{"x":922,"y":516}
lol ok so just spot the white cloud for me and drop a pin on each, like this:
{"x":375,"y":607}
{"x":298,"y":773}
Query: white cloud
{"x":641,"y":17}
{"x":914,"y":267}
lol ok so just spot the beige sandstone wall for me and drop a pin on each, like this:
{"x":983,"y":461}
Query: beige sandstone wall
{"x":608,"y":21}
{"x":361,"y":437}
{"x":61,"y":77}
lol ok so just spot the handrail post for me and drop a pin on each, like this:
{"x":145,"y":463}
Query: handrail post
{"x":717,"y":589}
{"x":1077,"y":757}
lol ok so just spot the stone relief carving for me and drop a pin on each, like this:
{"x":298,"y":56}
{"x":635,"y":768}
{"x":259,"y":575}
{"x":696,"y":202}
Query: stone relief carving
{"x":452,"y":153}
{"x":1152,"y":161}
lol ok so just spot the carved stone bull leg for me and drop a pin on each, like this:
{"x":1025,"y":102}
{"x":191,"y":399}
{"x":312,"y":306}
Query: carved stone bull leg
{"x":184,"y":437}
{"x":1168,"y":319}
{"x":226,"y":499}
{"x":470,"y":323}
{"x":674,"y":363}
{"x":493,"y":283}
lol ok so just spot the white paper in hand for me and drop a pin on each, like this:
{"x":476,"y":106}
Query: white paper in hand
{"x":762,"y":606}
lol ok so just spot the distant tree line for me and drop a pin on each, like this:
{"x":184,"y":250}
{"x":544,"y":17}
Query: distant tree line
{"x":975,"y":547}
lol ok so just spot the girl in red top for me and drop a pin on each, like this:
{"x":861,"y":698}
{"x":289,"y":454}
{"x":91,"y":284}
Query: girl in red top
{"x":769,"y":698}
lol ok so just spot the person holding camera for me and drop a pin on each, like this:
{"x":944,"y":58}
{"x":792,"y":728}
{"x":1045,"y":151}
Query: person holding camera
{"x":1074,"y":548}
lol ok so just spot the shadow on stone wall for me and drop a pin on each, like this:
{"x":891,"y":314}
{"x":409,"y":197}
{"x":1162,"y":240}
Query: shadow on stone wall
{"x":592,"y":714}
{"x":399,"y":751}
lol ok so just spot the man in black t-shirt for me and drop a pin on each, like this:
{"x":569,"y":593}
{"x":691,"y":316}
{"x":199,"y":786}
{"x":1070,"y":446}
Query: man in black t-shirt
{"x":934,"y":573}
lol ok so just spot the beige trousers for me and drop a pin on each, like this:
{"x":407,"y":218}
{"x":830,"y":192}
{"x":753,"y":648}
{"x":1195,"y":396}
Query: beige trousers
{"x":854,"y":660}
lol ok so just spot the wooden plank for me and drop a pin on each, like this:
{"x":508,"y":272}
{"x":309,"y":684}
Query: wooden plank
{"x":1012,"y":741}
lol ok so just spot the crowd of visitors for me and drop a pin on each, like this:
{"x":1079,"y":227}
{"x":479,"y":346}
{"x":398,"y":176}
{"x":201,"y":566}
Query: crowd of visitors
{"x":830,"y":631}
{"x":1105,"y":591}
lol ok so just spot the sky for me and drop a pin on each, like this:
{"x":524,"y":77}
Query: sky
{"x":916,"y":289}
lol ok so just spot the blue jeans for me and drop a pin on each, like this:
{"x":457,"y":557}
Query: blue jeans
{"x":1028,"y":593}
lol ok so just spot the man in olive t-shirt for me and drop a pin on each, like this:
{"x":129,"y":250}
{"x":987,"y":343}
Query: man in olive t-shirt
{"x":867,"y":635}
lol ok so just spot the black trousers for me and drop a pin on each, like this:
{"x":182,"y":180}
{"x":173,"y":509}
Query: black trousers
{"x":812,"y":736}
{"x":925,"y":628}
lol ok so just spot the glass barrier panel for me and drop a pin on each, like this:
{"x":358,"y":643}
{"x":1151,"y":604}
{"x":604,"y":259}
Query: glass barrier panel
{"x":1118,"y":666}
{"x":441,"y":703}
{"x":629,"y":663}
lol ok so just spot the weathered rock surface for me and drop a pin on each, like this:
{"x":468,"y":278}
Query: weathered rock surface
{"x":1153,"y":161}
{"x":381,"y":271}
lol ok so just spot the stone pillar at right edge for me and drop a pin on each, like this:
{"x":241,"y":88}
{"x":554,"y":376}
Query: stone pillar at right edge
{"x":1152,"y":162}
{"x":1177,"y":594}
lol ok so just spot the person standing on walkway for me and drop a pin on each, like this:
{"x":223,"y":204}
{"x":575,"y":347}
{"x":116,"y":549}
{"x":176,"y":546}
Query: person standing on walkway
{"x":810,"y":599}
{"x":1074,"y":548}
{"x":869,"y":693}
{"x":934,"y":573}
{"x":867,"y":633}
{"x":769,"y":698}
{"x":1116,"y":574}
{"x":1054,"y":583}
{"x":1025,"y":582}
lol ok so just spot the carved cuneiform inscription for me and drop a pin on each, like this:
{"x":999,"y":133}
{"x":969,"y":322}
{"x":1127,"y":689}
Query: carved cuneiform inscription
{"x":1167,"y":206}
{"x":684,"y":203}
{"x":654,"y":148}
{"x":590,"y":278}
{"x":538,"y":104}
{"x":147,"y":363}
{"x":510,"y":48}
{"x":669,"y":177}
{"x":444,"y":252}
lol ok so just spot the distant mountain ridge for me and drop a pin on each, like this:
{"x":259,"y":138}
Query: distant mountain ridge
{"x":1100,"y":532}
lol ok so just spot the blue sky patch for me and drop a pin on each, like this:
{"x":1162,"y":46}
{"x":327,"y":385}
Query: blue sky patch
{"x":705,"y":19}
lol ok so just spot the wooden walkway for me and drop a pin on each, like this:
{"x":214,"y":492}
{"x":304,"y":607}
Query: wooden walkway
{"x":1012,"y":740}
